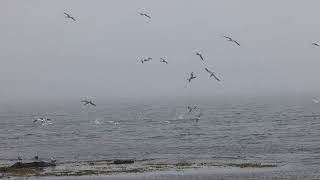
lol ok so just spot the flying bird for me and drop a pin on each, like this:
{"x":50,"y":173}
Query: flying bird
{"x":145,"y":15}
{"x":68,"y":16}
{"x":163,"y":60}
{"x":316,"y":44}
{"x":191,"y":77}
{"x":316,"y":101}
{"x":231,"y":40}
{"x":200,"y":55}
{"x":88,"y":102}
{"x":212,"y":74}
{"x":191,"y":108}
{"x":146,"y":60}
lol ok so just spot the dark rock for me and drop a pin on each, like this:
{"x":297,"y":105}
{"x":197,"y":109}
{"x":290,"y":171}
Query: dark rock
{"x":124,"y":161}
{"x":33,"y":164}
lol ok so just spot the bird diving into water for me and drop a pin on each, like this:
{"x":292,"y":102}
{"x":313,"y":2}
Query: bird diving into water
{"x":19,"y":157}
{"x":68,"y":16}
{"x":231,"y":40}
{"x":145,"y":15}
{"x":88,"y":102}
{"x":200,"y":55}
{"x":146,"y":60}
{"x":163,"y":60}
{"x":191,"y":77}
{"x":212,"y":74}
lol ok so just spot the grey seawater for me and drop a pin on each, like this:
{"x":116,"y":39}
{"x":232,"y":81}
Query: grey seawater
{"x":271,"y":130}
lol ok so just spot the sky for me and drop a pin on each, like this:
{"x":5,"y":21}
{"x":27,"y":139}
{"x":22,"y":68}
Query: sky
{"x":43,"y":55}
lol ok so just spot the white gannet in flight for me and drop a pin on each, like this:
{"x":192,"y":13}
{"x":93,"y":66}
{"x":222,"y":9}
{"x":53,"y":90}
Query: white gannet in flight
{"x":68,"y":16}
{"x":146,"y":60}
{"x":200,"y":55}
{"x":163,"y":60}
{"x":191,"y":77}
{"x":212,"y":74}
{"x":232,"y":40}
{"x":145,"y":15}
{"x":88,"y":102}
{"x":191,"y":108}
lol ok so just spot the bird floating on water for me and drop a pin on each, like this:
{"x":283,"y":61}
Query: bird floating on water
{"x":53,"y":160}
{"x":68,"y":16}
{"x":36,"y":157}
{"x":145,"y":15}
{"x":191,"y":77}
{"x":146,"y":60}
{"x":43,"y":121}
{"x":163,"y":60}
{"x":88,"y":102}
{"x":200,"y":55}
{"x":212,"y":74}
{"x":231,"y":40}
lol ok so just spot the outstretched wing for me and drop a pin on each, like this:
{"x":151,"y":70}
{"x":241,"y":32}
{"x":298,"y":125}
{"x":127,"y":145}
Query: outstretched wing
{"x":208,"y":70}
{"x":229,"y":38}
{"x":236,"y":43}
{"x":215,"y":77}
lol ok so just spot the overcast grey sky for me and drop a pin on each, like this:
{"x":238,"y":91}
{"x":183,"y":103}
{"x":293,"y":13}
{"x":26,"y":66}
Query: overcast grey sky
{"x":45,"y":55}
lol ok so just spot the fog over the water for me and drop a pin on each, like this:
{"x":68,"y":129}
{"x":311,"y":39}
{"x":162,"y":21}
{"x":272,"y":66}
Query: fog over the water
{"x":45,"y":55}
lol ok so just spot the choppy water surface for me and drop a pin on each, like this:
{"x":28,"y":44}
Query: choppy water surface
{"x":283,"y":131}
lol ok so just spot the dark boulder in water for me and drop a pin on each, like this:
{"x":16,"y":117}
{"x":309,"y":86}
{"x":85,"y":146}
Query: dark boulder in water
{"x":38,"y":164}
{"x":124,"y":161}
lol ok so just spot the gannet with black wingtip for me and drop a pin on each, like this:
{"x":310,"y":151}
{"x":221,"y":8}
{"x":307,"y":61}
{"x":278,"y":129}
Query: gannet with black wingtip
{"x":191,"y":77}
{"x":200,"y":55}
{"x":145,"y":15}
{"x":212,"y":74}
{"x":231,"y":40}
{"x":88,"y":102}
{"x":163,"y":60}
{"x":191,"y":108}
{"x":68,"y":16}
{"x":146,"y":60}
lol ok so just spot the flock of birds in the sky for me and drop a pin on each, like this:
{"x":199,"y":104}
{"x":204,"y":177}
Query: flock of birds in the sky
{"x":190,"y":109}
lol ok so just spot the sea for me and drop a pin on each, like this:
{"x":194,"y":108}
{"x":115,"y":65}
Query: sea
{"x":219,"y":134}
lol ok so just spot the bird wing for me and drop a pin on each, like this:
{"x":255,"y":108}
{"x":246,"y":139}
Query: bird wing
{"x":73,"y":18}
{"x":146,"y":15}
{"x":201,"y":57}
{"x":66,"y":14}
{"x":228,"y":38}
{"x":236,"y":42}
{"x":215,"y":77}
{"x":208,"y":70}
{"x":93,"y":104}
